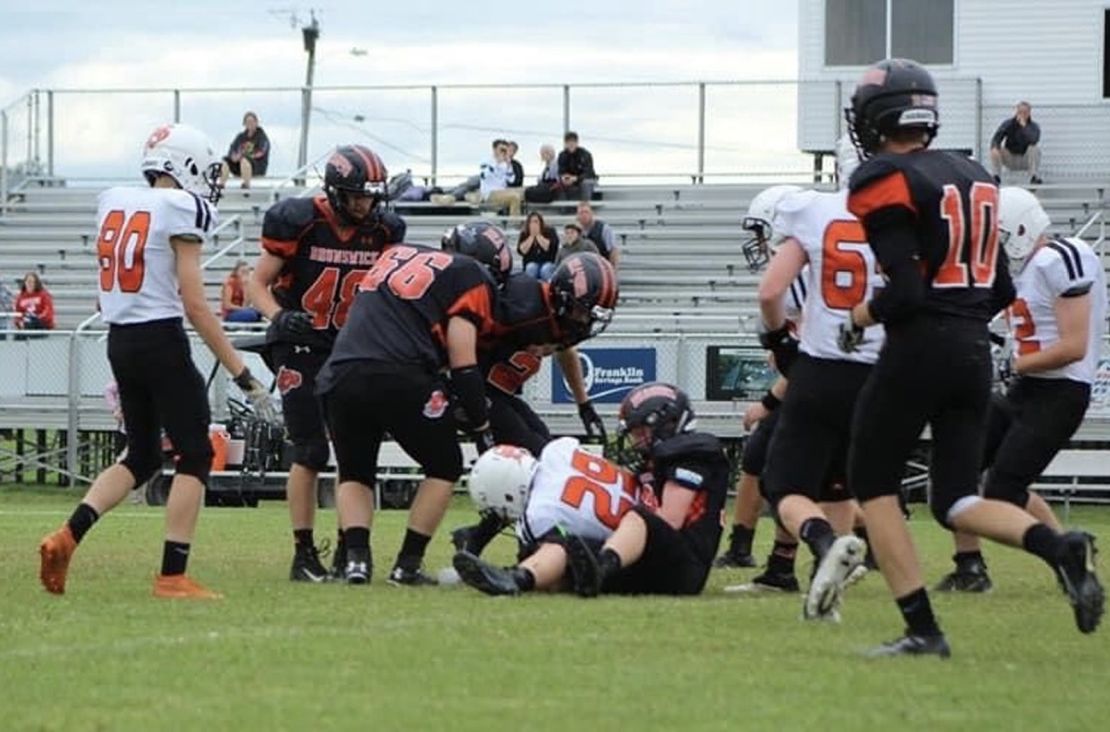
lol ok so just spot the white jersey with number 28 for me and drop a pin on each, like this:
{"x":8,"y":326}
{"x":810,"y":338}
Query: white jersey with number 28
{"x":138,"y":270}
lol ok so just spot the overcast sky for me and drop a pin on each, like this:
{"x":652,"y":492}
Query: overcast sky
{"x":204,"y":43}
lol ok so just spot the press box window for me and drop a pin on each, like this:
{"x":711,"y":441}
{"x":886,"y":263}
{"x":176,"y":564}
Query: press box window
{"x":856,"y":31}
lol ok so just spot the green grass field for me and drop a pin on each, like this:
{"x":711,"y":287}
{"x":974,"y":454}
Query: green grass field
{"x":273,"y":655}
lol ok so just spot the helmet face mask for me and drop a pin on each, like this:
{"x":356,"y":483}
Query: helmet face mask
{"x":756,"y":249}
{"x":761,"y":245}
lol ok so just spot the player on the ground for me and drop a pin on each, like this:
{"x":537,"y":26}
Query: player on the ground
{"x":806,"y":457}
{"x":568,"y":490}
{"x":931,"y":218}
{"x":670,"y":550}
{"x":1058,"y":321}
{"x":148,"y":251}
{"x":314,"y":253}
{"x":758,"y":249}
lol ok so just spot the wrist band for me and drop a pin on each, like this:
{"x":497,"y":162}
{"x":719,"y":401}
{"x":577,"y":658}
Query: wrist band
{"x":770,"y":401}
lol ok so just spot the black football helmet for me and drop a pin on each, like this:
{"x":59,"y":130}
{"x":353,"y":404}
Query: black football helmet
{"x":663,"y":409}
{"x":894,"y":94}
{"x":354,"y":170}
{"x":482,"y":241}
{"x":584,"y":295}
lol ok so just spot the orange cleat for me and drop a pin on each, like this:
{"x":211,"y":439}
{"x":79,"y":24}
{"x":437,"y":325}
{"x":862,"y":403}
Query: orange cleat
{"x":55,"y":551}
{"x":180,"y":587}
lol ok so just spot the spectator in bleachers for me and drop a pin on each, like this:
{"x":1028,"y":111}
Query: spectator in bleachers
{"x":576,"y":169}
{"x":248,"y":155}
{"x":468,"y":186}
{"x":496,"y":175}
{"x":518,"y":169}
{"x":538,"y":245}
{"x":548,"y":186}
{"x":1016,"y":145}
{"x":574,"y":242}
{"x":34,"y":306}
{"x":599,"y":232}
{"x":233,"y":297}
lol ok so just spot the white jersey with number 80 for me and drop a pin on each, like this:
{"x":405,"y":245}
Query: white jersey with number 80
{"x":578,"y":492}
{"x":841,"y":272}
{"x":138,"y":272}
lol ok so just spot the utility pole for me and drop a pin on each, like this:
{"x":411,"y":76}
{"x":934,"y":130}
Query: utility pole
{"x":311,"y":33}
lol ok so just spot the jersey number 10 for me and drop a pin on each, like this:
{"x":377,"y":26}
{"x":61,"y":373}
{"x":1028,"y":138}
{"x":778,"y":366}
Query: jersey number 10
{"x":978,"y":268}
{"x":118,"y":239}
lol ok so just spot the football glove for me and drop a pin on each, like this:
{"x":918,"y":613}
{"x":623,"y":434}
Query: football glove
{"x":292,"y":325}
{"x":592,"y":422}
{"x":782,"y":345}
{"x":850,"y":337}
{"x":258,"y":395}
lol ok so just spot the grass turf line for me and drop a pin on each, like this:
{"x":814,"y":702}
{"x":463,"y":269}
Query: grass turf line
{"x":275,"y":655}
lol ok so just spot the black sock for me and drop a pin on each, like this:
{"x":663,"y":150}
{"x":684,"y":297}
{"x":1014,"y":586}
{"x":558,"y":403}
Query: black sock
{"x":302,"y":539}
{"x":175,"y":556}
{"x":609,"y":562}
{"x":740,"y":540}
{"x":918,"y":613}
{"x":356,"y":537}
{"x":412,"y":549}
{"x":83,"y":518}
{"x":1039,"y":539}
{"x":485,"y":531}
{"x":781,"y":558}
{"x":818,"y":535}
{"x":964,"y":558}
{"x":525,"y":580}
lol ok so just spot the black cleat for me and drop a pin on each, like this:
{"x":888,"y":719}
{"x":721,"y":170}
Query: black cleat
{"x":475,"y":538}
{"x":357,"y":572}
{"x":338,"y":571}
{"x":735,"y":560}
{"x":1076,"y":571}
{"x":968,"y":576}
{"x":307,"y":566}
{"x":410,"y":577}
{"x":483,"y":576}
{"x":583,"y":565}
{"x":768,"y":582}
{"x":913,"y":645}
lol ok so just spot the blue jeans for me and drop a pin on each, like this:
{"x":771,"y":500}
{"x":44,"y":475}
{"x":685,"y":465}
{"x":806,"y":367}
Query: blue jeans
{"x":540,"y":270}
{"x":243,"y":315}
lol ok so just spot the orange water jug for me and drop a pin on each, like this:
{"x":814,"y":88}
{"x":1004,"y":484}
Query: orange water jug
{"x":219,"y":437}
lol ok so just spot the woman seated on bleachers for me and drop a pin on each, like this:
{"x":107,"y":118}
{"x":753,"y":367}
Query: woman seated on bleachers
{"x":538,"y":244}
{"x":233,"y":297}
{"x":34,"y":306}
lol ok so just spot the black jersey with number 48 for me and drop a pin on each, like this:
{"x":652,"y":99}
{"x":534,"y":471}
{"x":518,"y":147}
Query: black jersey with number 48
{"x":324,"y":258}
{"x":400,"y":315}
{"x":954,"y":203}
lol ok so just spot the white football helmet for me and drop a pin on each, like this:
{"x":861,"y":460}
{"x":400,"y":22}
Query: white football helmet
{"x":762,"y":243}
{"x":847,"y":160}
{"x":185,"y":154}
{"x":1021,"y":222}
{"x":501,"y":480}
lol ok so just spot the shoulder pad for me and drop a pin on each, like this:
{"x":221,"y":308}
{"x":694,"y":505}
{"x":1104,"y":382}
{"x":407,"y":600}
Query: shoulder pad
{"x":871,"y":170}
{"x":190,"y":215}
{"x":287,"y":218}
{"x":1061,"y":263}
{"x":692,"y":445}
{"x":394,"y":226}
{"x":879,"y":183}
{"x":797,"y":201}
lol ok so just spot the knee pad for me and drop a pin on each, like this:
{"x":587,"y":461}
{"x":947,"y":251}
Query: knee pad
{"x":142,"y":466}
{"x":312,"y":454}
{"x":197,"y":463}
{"x":946,"y":509}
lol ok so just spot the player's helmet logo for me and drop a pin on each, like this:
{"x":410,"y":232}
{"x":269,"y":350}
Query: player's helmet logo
{"x":288,"y":380}
{"x":436,"y":405}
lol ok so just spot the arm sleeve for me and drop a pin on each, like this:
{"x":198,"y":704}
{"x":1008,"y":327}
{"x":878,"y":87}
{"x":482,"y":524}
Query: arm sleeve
{"x":608,"y":237}
{"x":588,"y":165}
{"x":563,"y":162}
{"x":189,"y":216}
{"x":47,"y":314}
{"x":262,"y":148}
{"x":688,"y":473}
{"x":1032,"y":133}
{"x":475,"y":305}
{"x":890,"y":231}
{"x":1000,"y":134}
{"x":234,"y":146}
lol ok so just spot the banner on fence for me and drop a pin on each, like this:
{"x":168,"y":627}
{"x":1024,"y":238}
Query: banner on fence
{"x":736,"y":373}
{"x":608,"y":373}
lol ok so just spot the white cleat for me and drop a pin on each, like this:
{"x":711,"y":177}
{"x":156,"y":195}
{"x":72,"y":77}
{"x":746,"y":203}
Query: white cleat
{"x":843,"y":558}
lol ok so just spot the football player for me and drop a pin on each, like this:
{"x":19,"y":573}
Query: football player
{"x":1057,"y":320}
{"x":314,"y":253}
{"x":931,"y":219}
{"x":757,"y":250}
{"x":148,"y":250}
{"x":568,"y":490}
{"x":806,"y":457}
{"x":670,"y":550}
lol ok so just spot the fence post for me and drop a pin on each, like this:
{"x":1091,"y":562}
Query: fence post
{"x":30,"y":129}
{"x":176,"y":105}
{"x":50,"y":132}
{"x":838,"y":111}
{"x":701,"y":132}
{"x":435,"y":133}
{"x":979,"y":119}
{"x":3,"y":162}
{"x":566,"y":108}
{"x":38,"y":135}
{"x":74,"y":386}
